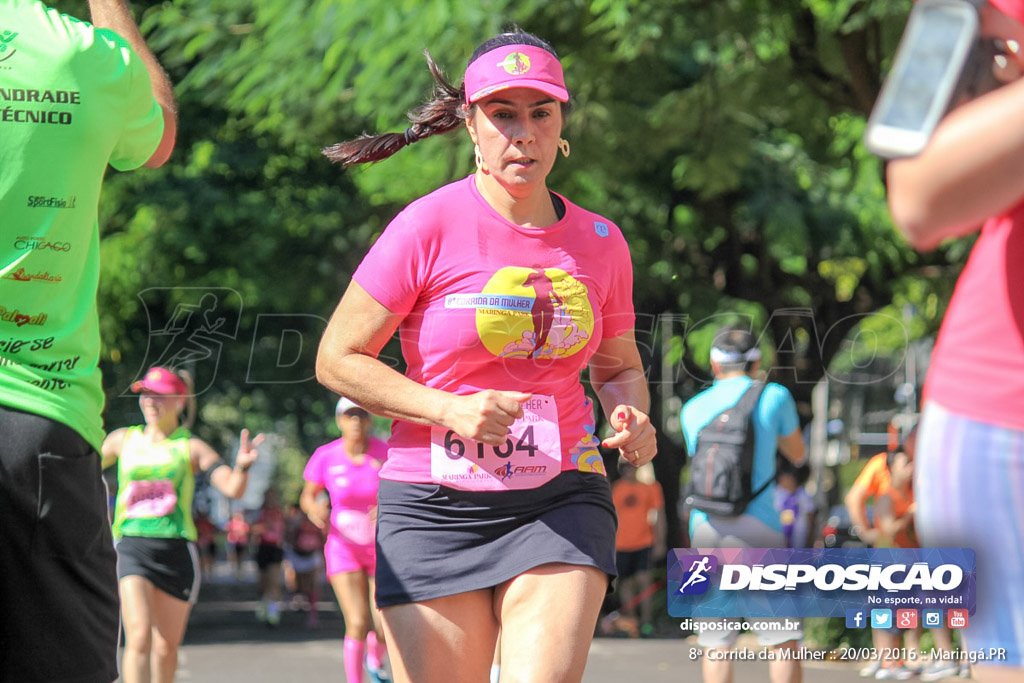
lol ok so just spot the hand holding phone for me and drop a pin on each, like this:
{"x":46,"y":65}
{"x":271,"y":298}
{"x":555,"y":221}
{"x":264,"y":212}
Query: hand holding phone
{"x":940,"y":59}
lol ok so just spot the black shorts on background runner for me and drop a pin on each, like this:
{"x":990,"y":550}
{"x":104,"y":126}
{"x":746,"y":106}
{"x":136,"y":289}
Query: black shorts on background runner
{"x":268,"y":555}
{"x":631,"y":562}
{"x":58,"y":577}
{"x":170,"y":564}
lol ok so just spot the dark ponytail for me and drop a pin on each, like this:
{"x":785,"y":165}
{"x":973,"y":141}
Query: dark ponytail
{"x":441,"y":114}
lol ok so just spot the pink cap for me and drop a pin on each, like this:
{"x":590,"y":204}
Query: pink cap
{"x":161,"y":381}
{"x":1014,"y":8}
{"x":515,"y":66}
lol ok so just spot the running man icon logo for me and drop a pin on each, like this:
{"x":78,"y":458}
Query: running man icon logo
{"x":696,"y":581}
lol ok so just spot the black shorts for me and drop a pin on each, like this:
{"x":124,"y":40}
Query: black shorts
{"x":58,"y":576}
{"x":434,"y":541}
{"x":267,"y":555}
{"x":630,"y":562}
{"x":170,"y":564}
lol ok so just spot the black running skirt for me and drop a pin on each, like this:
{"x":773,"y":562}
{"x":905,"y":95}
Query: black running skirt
{"x":170,"y":564}
{"x":434,"y":541}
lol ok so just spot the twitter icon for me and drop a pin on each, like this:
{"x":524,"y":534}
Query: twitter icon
{"x":881,"y":618}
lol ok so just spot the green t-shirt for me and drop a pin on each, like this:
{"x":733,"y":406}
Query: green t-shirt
{"x":155,"y":487}
{"x":73,"y":98}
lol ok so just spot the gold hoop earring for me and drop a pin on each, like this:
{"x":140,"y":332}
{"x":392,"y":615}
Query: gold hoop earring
{"x":479,"y":159}
{"x":563,"y":147}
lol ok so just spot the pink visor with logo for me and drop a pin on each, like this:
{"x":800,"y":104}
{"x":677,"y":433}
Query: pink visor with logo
{"x":515,"y":66}
{"x":161,"y":381}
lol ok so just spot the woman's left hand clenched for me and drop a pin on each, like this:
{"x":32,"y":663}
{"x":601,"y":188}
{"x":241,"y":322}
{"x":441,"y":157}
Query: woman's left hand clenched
{"x":634,"y":435}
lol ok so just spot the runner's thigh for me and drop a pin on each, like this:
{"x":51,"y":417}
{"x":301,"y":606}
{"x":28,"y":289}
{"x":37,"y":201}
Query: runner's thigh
{"x":548,"y":615}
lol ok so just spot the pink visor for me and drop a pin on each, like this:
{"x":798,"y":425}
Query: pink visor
{"x":161,"y":381}
{"x":515,"y":66}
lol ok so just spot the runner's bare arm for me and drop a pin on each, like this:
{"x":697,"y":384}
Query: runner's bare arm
{"x":617,"y":376}
{"x":231,"y":481}
{"x":347,"y":364}
{"x":318,"y":513}
{"x":112,"y":445}
{"x":889,"y":524}
{"x":971,"y":168}
{"x":856,"y":503}
{"x":114,"y":15}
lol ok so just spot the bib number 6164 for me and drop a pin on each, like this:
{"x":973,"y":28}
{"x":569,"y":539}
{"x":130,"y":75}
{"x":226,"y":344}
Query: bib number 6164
{"x":455,"y":446}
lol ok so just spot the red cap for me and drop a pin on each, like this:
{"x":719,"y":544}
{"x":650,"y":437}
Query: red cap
{"x":161,"y":381}
{"x":515,"y":66}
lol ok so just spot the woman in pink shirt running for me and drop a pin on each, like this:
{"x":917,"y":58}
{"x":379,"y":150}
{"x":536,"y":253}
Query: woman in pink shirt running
{"x":495,"y":511}
{"x":347,"y":469}
{"x":969,"y":474}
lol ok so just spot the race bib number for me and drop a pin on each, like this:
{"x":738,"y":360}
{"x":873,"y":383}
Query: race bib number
{"x":150,"y":498}
{"x":354,"y":526}
{"x":530,"y":456}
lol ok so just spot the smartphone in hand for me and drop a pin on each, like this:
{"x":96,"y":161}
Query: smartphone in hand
{"x":941,"y":58}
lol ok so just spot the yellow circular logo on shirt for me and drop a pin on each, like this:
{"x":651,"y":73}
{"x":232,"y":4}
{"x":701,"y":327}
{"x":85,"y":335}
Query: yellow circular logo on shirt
{"x":535,"y":313}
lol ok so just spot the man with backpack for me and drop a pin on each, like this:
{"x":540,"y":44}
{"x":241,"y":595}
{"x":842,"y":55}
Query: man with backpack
{"x":732,"y":431}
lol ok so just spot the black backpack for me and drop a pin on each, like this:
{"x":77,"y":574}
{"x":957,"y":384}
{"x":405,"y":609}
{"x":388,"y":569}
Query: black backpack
{"x":721,"y":467}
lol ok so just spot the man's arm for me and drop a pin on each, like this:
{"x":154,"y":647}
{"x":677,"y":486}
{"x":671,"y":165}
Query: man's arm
{"x":792,"y":446}
{"x":114,"y":15}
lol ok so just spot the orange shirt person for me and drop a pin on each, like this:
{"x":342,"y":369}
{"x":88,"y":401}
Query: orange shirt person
{"x":872,"y":482}
{"x":640,"y":508}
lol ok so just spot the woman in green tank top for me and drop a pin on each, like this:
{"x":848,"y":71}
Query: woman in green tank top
{"x":153,"y":526}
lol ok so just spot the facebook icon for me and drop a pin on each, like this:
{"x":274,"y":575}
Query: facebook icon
{"x":856,"y":618}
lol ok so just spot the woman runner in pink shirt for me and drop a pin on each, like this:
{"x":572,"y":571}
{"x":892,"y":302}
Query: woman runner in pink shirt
{"x":969,"y":473}
{"x":494,"y":508}
{"x":348,"y":469}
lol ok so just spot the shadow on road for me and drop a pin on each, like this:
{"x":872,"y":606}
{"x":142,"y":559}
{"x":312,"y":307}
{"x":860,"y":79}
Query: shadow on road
{"x":226,"y":613}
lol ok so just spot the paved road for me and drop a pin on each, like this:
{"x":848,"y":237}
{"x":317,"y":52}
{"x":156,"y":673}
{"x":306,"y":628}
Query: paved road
{"x":225,"y":644}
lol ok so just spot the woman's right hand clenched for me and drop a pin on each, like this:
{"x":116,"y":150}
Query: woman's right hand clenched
{"x":486,"y":415}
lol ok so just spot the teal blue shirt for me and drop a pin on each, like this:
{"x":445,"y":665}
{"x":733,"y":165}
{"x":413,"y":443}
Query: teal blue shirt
{"x":774,"y":416}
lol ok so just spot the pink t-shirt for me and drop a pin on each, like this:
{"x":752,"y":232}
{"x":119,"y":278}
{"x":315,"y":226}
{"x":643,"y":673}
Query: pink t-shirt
{"x":977,"y":368}
{"x":489,"y":304}
{"x":352,"y":487}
